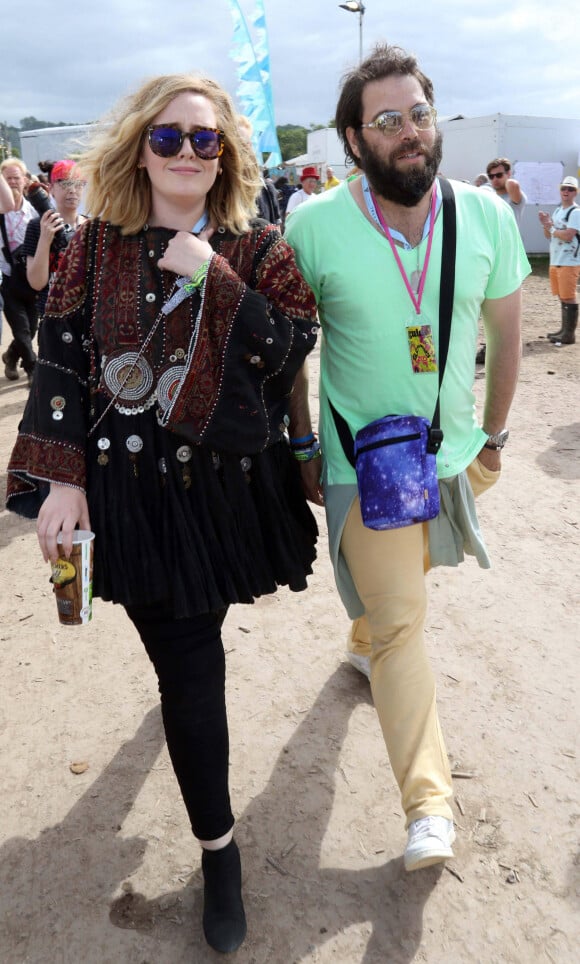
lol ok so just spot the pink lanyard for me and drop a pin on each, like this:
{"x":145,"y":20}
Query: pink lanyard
{"x":416,"y":300}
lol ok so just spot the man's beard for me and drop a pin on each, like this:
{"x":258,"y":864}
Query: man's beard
{"x":402,"y":187}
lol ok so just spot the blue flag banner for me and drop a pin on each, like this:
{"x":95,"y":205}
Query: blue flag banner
{"x":255,"y":85}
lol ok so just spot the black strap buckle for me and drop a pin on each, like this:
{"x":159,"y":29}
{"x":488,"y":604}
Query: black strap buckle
{"x":434,"y":441}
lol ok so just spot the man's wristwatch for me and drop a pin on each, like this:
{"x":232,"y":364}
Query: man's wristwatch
{"x":497,"y":440}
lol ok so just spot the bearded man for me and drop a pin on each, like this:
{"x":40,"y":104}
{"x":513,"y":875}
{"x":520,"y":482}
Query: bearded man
{"x":372,"y":252}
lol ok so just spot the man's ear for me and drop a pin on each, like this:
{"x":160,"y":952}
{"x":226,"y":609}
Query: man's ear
{"x":353,"y":143}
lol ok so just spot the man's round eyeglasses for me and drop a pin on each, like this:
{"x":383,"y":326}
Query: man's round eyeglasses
{"x":391,"y":122}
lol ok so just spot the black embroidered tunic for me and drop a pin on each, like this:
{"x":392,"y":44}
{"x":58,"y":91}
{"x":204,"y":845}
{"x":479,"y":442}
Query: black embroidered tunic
{"x":174,"y":422}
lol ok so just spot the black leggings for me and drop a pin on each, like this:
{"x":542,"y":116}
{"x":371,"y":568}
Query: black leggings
{"x":189,"y":659}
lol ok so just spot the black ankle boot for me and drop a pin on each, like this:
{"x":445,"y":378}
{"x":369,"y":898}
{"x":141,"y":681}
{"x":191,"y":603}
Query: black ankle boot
{"x":224,"y":920}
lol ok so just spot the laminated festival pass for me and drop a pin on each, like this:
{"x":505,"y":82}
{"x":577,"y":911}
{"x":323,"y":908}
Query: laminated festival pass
{"x":422,"y":348}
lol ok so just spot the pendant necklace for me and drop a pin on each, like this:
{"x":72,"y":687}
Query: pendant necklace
{"x":415,"y":278}
{"x":418,"y":330}
{"x":416,"y":285}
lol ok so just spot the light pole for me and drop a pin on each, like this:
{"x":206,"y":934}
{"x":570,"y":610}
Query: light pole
{"x":355,"y":6}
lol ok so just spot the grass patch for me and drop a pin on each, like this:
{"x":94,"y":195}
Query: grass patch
{"x":540,"y":264}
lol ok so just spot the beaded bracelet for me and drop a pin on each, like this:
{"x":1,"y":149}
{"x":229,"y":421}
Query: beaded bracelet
{"x":308,"y":454}
{"x":303,"y":440}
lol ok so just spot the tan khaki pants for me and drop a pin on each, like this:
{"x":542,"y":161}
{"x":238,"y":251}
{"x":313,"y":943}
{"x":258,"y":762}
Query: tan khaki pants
{"x":388,"y":569}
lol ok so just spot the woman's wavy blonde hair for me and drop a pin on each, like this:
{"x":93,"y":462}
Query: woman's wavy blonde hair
{"x":119,"y":191}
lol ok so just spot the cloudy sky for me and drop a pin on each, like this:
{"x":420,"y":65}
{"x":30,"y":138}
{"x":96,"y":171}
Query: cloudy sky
{"x":71,"y":62}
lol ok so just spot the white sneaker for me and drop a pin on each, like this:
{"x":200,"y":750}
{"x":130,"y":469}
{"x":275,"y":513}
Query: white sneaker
{"x":429,"y":842}
{"x":362,"y":663}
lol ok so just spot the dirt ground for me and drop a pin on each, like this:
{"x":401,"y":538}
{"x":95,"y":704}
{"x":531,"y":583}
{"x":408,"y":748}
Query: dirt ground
{"x":100,"y":867}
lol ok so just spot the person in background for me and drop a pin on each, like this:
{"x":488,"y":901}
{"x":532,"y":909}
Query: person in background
{"x":47,"y":237}
{"x":482,"y":180}
{"x":563,"y":230}
{"x":372,"y":251}
{"x":285,"y":191}
{"x":158,"y":418}
{"x":267,"y":200}
{"x":6,"y":204}
{"x":331,"y":179}
{"x":45,"y":167}
{"x":309,"y":179}
{"x":268,"y":206}
{"x":20,"y":308}
{"x":508,"y":189}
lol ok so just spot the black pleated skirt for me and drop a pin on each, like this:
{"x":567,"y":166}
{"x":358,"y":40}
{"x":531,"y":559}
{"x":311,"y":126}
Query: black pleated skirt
{"x":201,"y":529}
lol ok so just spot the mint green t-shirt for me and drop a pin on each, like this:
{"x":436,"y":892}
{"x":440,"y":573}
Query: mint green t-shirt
{"x":365,"y":309}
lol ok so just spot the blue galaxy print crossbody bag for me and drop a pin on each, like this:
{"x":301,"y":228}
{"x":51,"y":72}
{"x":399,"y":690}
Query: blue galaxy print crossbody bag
{"x":395,"y":457}
{"x":396,"y":470}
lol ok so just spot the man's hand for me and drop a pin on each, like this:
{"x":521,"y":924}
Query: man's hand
{"x":490,"y":458}
{"x":310,"y":472}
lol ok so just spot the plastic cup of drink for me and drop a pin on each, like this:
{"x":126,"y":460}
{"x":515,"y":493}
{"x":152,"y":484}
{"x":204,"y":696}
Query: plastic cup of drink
{"x":72,"y":580}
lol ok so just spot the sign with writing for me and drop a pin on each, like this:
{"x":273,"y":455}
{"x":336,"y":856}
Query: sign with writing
{"x":540,"y":180}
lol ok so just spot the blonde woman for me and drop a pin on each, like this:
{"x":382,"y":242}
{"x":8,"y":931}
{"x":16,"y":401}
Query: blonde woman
{"x":159,"y":419}
{"x":19,"y":299}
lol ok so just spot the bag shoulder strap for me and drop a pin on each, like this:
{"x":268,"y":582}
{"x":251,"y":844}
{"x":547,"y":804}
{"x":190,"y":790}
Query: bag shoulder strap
{"x":446,"y":294}
{"x":446,"y":290}
{"x":573,"y":207}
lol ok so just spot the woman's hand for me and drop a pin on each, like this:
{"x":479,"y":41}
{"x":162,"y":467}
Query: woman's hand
{"x":63,"y":508}
{"x":185,"y":253}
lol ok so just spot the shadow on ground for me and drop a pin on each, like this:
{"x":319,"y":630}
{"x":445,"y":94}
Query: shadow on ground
{"x":296,"y":804}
